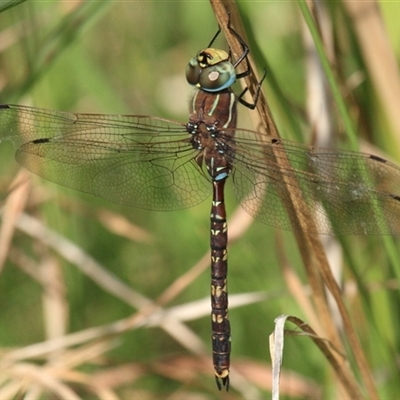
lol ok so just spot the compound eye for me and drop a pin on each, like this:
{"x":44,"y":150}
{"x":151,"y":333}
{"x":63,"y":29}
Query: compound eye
{"x":217,"y":77}
{"x":193,"y":71}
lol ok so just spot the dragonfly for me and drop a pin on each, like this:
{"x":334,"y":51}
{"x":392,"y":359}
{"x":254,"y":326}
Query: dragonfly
{"x":158,"y":164}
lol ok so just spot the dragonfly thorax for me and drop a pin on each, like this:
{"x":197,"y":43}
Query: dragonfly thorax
{"x":216,"y":110}
{"x":211,"y":70}
{"x":212,"y":125}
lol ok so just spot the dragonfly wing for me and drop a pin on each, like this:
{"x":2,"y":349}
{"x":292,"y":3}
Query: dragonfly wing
{"x":133,"y":160}
{"x":345,"y":192}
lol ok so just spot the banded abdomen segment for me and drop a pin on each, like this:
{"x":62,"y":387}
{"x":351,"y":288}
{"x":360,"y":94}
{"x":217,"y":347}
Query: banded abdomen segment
{"x":221,"y":331}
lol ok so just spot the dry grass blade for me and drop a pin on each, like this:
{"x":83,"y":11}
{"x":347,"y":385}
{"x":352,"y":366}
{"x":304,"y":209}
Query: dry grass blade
{"x":120,"y":225}
{"x":55,"y":304}
{"x":379,"y":58}
{"x":334,"y":357}
{"x":56,"y":376}
{"x":26,"y":375}
{"x":276,"y":343}
{"x":15,"y":203}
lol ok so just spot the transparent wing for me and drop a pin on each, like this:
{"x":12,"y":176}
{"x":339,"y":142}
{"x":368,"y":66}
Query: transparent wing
{"x":133,"y":160}
{"x":149,"y":163}
{"x":345,"y":192}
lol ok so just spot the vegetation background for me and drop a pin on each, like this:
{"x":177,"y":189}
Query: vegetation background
{"x":80,"y":276}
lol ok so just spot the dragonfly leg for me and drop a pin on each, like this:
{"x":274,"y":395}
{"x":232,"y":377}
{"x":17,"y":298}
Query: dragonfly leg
{"x":252,"y":106}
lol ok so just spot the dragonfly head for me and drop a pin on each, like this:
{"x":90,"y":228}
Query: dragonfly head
{"x":211,"y":70}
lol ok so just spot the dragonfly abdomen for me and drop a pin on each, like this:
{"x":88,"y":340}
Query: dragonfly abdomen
{"x":221,"y":331}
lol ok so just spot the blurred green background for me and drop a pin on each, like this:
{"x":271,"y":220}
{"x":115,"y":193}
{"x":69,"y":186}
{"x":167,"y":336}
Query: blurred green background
{"x":130,"y":58}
